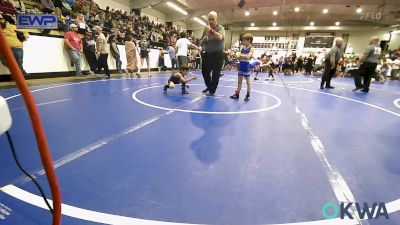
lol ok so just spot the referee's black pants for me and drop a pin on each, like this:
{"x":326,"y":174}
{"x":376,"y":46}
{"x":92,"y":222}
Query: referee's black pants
{"x":211,"y":69}
{"x":366,"y":70}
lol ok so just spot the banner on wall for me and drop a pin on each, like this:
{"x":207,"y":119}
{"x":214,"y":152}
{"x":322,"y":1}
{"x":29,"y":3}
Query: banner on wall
{"x":35,"y":21}
{"x":319,"y":40}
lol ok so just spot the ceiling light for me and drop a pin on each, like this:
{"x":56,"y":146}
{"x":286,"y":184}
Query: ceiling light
{"x":325,"y":11}
{"x":359,"y":10}
{"x":177,"y":8}
{"x":275,"y":13}
{"x":337,"y":23}
{"x":200,"y":21}
{"x":247,"y":13}
{"x":296,"y":9}
{"x":252,"y":24}
{"x":312,"y":23}
{"x":274,"y":24}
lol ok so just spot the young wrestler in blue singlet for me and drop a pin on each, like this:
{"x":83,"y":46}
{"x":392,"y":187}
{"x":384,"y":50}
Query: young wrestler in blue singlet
{"x":245,"y":54}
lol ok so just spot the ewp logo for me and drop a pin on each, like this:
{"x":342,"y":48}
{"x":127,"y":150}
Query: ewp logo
{"x":30,"y":21}
{"x":375,"y":212}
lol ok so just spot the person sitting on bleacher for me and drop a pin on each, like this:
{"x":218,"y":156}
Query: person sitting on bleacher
{"x":154,"y":35}
{"x":100,"y":18}
{"x":94,"y":8}
{"x":80,"y":22}
{"x":91,"y":22}
{"x":19,"y":6}
{"x":85,"y":8}
{"x":7,"y":7}
{"x":64,"y":6}
{"x":47,"y":6}
{"x":62,"y":24}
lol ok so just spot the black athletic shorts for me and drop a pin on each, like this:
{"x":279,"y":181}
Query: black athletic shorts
{"x":174,"y":79}
{"x":144,"y":54}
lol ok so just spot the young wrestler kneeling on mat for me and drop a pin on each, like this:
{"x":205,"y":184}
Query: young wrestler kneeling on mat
{"x":179,"y":78}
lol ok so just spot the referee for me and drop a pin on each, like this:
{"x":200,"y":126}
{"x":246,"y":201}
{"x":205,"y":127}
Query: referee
{"x":213,"y":42}
{"x":369,"y":61}
{"x":331,"y":61}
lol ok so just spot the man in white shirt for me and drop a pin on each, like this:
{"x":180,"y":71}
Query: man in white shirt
{"x":101,"y":52}
{"x":395,"y":64}
{"x":182,"y":45}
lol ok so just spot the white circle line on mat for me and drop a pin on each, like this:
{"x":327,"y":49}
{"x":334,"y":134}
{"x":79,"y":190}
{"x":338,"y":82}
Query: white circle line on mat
{"x":397,"y":103}
{"x":106,"y":218}
{"x":99,"y":217}
{"x":276,"y":105}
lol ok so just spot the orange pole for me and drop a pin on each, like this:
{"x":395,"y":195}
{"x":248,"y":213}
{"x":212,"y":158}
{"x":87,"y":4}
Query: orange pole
{"x":43,"y":146}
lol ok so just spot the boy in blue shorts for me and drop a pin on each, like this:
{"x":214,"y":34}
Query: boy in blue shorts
{"x":245,"y":54}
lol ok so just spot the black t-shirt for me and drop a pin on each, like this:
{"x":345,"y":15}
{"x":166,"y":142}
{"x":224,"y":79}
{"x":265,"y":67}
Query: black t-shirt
{"x":143,"y":45}
{"x":89,"y":44}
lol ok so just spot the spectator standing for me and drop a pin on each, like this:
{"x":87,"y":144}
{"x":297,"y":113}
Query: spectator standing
{"x":395,"y":65}
{"x":14,"y":41}
{"x":131,"y":56}
{"x":182,"y":47}
{"x":161,"y":63}
{"x":73,"y":42}
{"x":172,"y":55}
{"x":89,"y":50}
{"x":115,"y":52}
{"x":101,"y":52}
{"x":144,"y":54}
